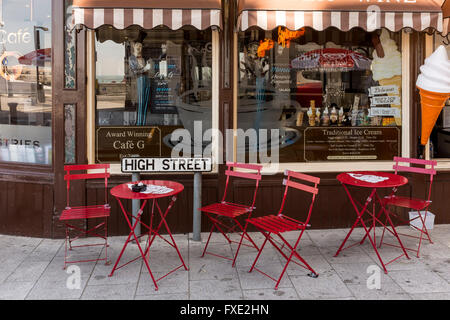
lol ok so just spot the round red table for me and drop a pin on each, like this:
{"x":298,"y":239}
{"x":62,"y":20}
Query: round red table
{"x":123,"y":191}
{"x":372,"y":180}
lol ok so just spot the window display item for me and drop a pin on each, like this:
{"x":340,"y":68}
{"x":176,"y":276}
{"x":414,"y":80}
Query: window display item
{"x":326,"y":117}
{"x":434,"y":87}
{"x":139,"y":67}
{"x":318,"y":116}
{"x":311,"y":117}
{"x":331,"y":59}
{"x":300,"y":115}
{"x":387,"y":70}
{"x":341,"y":116}
{"x":334,"y":116}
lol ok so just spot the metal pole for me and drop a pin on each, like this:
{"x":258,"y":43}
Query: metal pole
{"x":136,"y":204}
{"x":197,"y":223}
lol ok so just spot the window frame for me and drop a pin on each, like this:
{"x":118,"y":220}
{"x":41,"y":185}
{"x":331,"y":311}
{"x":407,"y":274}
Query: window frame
{"x":344,"y":165}
{"x":90,"y":118}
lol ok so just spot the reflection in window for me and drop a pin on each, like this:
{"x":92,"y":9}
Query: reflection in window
{"x":155,"y":81}
{"x":25,"y":81}
{"x":333,"y":95}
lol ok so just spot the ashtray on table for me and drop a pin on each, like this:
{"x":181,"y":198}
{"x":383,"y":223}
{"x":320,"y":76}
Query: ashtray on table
{"x":138,"y":187}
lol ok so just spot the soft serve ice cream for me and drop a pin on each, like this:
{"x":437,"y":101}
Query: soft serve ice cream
{"x":387,"y":70}
{"x":391,"y":64}
{"x":434,"y":86}
{"x":435,"y":73}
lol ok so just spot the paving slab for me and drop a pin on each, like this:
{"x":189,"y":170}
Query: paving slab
{"x":223,"y":289}
{"x":327,"y":286}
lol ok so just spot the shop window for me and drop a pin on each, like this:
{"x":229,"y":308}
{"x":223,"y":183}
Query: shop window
{"x":26,"y":81}
{"x":333,"y":95}
{"x":148,"y":84}
{"x":440,"y":136}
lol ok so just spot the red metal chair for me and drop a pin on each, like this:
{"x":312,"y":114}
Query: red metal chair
{"x":412,"y":203}
{"x":280,"y":223}
{"x":232,"y":211}
{"x":86,"y":212}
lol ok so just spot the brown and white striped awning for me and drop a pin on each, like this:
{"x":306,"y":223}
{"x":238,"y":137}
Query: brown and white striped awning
{"x":446,"y":13}
{"x":147,"y":13}
{"x":341,"y":14}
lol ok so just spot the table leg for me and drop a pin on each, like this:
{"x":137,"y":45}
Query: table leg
{"x":359,"y":219}
{"x":359,"y":216}
{"x":163,"y":220}
{"x":132,"y":233}
{"x":393,"y":228}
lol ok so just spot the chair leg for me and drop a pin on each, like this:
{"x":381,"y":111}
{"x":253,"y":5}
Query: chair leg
{"x":244,"y":232}
{"x":106,"y":243}
{"x":65,"y":249}
{"x":259,"y":251}
{"x":207,"y":242}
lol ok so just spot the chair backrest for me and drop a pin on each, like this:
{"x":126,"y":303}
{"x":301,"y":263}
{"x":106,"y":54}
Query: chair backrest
{"x":311,"y":188}
{"x":420,"y":166}
{"x":69,"y":176}
{"x":231,"y":172}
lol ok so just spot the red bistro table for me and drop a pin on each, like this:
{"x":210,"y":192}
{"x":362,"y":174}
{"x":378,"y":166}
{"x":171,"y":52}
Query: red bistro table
{"x":357,"y":179}
{"x":124,"y":192}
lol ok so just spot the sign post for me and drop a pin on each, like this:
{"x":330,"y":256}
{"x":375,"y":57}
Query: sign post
{"x":136,"y":205}
{"x":136,"y":165}
{"x":197,"y":215}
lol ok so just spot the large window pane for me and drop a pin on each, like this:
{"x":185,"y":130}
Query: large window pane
{"x":440,"y":136}
{"x":25,"y":81}
{"x":333,"y":95}
{"x":148,"y":84}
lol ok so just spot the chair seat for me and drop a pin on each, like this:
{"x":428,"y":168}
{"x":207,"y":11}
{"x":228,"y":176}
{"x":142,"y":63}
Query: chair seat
{"x":416,"y":204}
{"x":99,"y":211}
{"x":226,"y":209}
{"x":277,"y":224}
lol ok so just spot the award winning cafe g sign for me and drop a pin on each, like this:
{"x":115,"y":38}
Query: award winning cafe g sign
{"x":115,"y":143}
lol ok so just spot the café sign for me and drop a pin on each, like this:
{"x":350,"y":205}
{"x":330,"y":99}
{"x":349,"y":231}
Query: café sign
{"x":115,"y":143}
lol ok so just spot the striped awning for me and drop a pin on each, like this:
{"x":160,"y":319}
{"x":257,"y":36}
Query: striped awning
{"x":148,"y":14}
{"x":341,"y":14}
{"x":446,"y":14}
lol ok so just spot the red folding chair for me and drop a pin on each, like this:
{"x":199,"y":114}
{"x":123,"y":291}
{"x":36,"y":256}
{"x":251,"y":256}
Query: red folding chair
{"x":218,"y":213}
{"x":412,"y":203}
{"x":86,"y":212}
{"x":280,"y":223}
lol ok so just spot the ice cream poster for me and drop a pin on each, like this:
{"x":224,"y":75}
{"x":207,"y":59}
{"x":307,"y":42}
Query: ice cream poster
{"x":387,"y":71}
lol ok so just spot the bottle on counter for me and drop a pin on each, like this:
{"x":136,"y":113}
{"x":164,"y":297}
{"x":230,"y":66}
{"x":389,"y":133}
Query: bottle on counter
{"x":341,"y":116}
{"x":326,"y":117}
{"x":318,"y":116}
{"x":333,"y":116}
{"x":311,"y":117}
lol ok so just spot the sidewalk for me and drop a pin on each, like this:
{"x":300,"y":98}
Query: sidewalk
{"x":31,"y":268}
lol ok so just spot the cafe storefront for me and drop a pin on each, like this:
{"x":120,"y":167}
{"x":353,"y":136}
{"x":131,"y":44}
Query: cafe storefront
{"x":93,"y":81}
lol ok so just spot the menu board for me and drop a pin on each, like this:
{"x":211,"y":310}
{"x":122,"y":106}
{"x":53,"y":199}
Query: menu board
{"x":115,"y":143}
{"x":351,"y":143}
{"x":164,"y":95}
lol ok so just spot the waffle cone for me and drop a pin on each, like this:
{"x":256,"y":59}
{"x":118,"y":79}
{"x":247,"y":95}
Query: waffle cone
{"x":432,"y":104}
{"x":397,"y":81}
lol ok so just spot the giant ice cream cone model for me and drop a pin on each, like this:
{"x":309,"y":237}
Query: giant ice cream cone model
{"x":387,"y":70}
{"x":434,"y":87}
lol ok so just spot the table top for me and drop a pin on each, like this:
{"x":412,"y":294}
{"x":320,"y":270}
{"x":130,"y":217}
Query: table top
{"x":124,"y":192}
{"x":372,"y":179}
